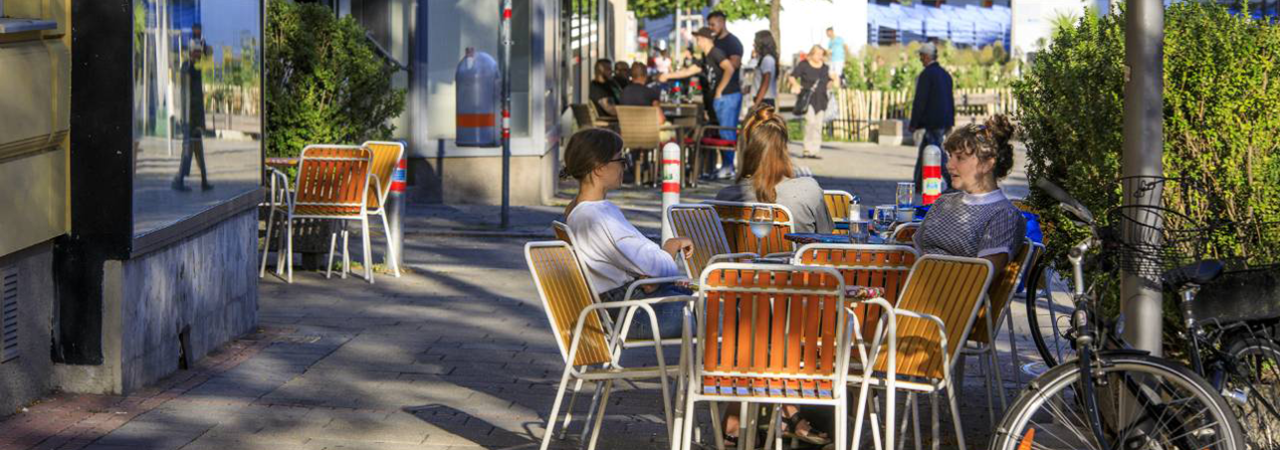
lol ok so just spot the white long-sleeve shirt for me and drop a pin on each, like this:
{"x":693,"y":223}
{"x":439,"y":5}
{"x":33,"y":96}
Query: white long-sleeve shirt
{"x":613,"y":250}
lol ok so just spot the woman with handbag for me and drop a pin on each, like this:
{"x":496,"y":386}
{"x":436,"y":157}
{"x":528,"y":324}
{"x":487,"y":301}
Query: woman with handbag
{"x":809,"y":81}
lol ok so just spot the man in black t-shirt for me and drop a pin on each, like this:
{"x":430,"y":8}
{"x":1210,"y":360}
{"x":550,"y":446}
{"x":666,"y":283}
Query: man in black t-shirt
{"x":638,"y":93}
{"x":727,"y":43}
{"x":601,"y":91}
{"x":725,"y":94}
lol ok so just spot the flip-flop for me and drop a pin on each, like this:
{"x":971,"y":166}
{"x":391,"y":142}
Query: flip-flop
{"x":811,"y":438}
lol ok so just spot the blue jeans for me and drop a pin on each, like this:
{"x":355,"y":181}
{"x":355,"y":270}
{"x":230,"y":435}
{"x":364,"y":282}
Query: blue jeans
{"x":727,"y":107}
{"x":670,"y":315}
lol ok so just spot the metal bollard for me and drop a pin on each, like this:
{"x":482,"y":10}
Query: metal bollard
{"x":395,"y":214}
{"x":670,"y":184}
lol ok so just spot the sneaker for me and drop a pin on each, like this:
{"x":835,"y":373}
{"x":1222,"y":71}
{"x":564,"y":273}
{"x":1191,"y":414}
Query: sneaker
{"x":725,"y":173}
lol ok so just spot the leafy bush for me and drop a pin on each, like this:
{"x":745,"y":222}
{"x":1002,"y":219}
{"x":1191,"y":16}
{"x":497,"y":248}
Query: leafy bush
{"x":325,"y":82}
{"x":895,"y":67}
{"x":1221,"y":122}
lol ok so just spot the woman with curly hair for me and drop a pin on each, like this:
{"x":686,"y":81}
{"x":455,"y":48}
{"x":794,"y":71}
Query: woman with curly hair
{"x":976,"y":220}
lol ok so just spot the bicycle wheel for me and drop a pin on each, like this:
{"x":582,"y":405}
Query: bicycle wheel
{"x":1146,"y":402}
{"x":1048,"y":320}
{"x":1254,"y":390}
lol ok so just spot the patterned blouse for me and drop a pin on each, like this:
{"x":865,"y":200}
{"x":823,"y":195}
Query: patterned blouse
{"x":974,"y":226}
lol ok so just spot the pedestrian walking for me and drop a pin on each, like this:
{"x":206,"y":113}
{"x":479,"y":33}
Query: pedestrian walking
{"x":933,"y":111}
{"x":814,"y":76}
{"x":766,"y":78}
{"x":193,"y":142}
{"x":839,"y":52}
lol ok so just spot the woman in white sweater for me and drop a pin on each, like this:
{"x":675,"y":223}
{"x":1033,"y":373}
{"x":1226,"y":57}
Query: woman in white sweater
{"x":614,"y":251}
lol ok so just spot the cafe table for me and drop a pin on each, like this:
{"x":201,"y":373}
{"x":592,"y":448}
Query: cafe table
{"x":684,"y":119}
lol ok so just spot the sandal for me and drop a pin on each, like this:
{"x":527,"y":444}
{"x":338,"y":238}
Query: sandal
{"x":812,"y":436}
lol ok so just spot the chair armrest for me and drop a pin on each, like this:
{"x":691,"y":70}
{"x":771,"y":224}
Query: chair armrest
{"x":782,"y":255}
{"x":280,"y":185}
{"x":649,"y":282}
{"x":731,"y":257}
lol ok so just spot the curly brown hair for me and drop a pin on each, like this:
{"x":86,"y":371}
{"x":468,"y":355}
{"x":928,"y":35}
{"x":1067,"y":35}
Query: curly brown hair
{"x":989,"y":141}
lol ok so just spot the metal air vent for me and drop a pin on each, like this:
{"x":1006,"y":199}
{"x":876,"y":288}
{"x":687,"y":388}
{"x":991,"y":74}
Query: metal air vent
{"x":8,"y":314}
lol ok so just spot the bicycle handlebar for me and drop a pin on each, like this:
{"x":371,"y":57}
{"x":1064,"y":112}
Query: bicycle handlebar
{"x":1073,"y":206}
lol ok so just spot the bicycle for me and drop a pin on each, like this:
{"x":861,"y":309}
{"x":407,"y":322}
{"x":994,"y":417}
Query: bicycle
{"x":1228,"y":333}
{"x":1110,"y":396}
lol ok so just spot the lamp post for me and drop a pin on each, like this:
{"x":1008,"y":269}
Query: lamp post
{"x":1141,"y":300}
{"x":505,"y":70}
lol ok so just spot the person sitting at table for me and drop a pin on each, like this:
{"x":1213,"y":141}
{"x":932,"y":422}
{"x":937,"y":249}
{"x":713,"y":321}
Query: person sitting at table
{"x":976,"y":220}
{"x":638,"y":93}
{"x":621,"y":75}
{"x":767,"y":175}
{"x":601,"y":90}
{"x":614,"y":252}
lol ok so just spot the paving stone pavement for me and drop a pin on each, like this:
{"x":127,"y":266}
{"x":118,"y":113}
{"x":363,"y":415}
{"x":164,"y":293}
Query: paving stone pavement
{"x":455,"y":354}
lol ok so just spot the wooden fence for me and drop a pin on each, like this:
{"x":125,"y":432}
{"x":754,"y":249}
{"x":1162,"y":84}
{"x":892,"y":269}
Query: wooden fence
{"x":860,"y":112}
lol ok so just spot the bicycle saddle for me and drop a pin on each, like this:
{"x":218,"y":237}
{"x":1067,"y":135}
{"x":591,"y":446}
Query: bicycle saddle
{"x":1200,"y":273}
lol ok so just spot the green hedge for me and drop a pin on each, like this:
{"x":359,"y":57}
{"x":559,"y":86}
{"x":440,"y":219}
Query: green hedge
{"x":1221,"y":121}
{"x":325,"y":83}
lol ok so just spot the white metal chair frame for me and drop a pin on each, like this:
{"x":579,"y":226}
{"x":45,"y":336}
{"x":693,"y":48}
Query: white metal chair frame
{"x":901,"y":227}
{"x":889,"y":381}
{"x":974,"y":348}
{"x":717,"y":233}
{"x":685,"y":417}
{"x":790,"y":222}
{"x":384,"y":190}
{"x":284,"y":254}
{"x":612,"y":371}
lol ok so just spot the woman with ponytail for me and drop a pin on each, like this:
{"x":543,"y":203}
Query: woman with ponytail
{"x":767,"y":175}
{"x":614,"y":251}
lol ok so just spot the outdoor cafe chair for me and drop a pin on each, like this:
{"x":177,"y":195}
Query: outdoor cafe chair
{"x":333,"y":183}
{"x":562,"y":231}
{"x":905,"y":233}
{"x":839,"y":208}
{"x":590,"y":351}
{"x":586,"y":117}
{"x":701,"y":224}
{"x":930,"y":323}
{"x":981,"y":343}
{"x":642,"y":134}
{"x":386,"y":156}
{"x":768,"y":333}
{"x":704,"y":144}
{"x":876,"y":266}
{"x":735,"y":217}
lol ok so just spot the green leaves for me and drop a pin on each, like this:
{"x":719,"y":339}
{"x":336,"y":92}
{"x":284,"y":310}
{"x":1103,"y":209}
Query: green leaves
{"x":325,"y":82}
{"x":1221,"y":121}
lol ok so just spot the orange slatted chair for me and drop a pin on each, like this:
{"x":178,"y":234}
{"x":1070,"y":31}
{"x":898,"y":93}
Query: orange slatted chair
{"x":590,"y":351}
{"x":386,"y":155}
{"x":905,"y":233}
{"x":735,"y":217}
{"x":919,"y":349}
{"x":562,"y":231}
{"x":701,"y":224}
{"x":878,"y":266}
{"x":996,"y":313}
{"x":839,"y":207}
{"x":333,"y":183}
{"x":769,"y":333}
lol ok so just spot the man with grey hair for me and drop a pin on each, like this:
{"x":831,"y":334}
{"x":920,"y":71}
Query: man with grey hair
{"x":933,"y":111}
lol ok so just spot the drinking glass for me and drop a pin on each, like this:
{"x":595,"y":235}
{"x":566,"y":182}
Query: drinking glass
{"x":761,"y":225}
{"x":906,"y":194}
{"x":885,"y":217}
{"x":860,"y":231}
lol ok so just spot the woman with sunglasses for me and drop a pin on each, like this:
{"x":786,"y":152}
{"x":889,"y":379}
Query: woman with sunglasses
{"x":614,"y":252}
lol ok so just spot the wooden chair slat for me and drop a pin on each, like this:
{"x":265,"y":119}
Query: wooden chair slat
{"x":1001,"y":292}
{"x":566,"y":294}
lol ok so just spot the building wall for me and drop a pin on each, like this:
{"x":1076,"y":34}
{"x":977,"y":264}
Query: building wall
{"x":1033,"y":20}
{"x":28,"y":377}
{"x":206,"y":285}
{"x":475,"y":180}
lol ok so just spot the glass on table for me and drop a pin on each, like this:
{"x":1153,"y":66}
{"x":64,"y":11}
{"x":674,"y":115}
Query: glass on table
{"x":860,"y":231}
{"x":906,"y":194}
{"x":761,"y":224}
{"x":885,"y":217}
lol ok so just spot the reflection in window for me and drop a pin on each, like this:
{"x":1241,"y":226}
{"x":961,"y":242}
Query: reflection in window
{"x":197,"y":106}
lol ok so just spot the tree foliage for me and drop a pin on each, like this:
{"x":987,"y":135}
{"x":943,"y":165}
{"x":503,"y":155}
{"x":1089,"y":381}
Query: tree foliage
{"x":1221,"y":123}
{"x":325,"y":83}
{"x":733,"y":9}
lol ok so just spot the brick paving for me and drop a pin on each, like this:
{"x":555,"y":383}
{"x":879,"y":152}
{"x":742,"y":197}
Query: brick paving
{"x":456,"y":354}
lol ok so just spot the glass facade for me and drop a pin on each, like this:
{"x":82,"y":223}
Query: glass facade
{"x":197,"y":101}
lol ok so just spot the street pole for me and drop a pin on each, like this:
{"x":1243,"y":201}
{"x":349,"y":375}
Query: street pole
{"x":678,"y":49}
{"x":1141,"y":300}
{"x":505,"y":69}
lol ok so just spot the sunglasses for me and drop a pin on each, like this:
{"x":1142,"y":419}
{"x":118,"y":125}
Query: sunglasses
{"x":626,"y":162}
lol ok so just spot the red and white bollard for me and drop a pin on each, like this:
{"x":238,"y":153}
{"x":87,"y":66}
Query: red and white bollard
{"x":670,"y":184}
{"x":395,"y":214}
{"x":932,"y":175}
